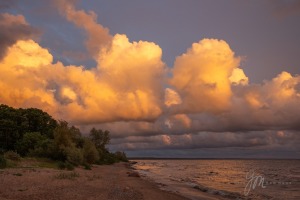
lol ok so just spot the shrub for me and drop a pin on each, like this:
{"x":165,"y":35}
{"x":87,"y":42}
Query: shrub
{"x":11,"y":155}
{"x":61,"y":165}
{"x":3,"y":162}
{"x":87,"y":166}
{"x":90,"y":152}
{"x":69,"y":166}
{"x":28,"y":142}
{"x":74,"y":156}
{"x":121,"y":156}
{"x":107,"y":159}
{"x":65,"y":165}
{"x":69,"y":175}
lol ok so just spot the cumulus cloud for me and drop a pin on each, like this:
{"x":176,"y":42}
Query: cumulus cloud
{"x":97,"y":35}
{"x":238,"y":77}
{"x":116,"y":91}
{"x":201,"y":76}
{"x":14,"y":28}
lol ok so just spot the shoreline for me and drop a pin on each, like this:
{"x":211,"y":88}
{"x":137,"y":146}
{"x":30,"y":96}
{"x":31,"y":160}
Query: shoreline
{"x":185,"y":191}
{"x":102,"y":182}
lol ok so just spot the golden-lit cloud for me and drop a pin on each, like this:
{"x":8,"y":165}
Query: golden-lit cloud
{"x":172,"y":97}
{"x":238,"y":77}
{"x":115,"y":91}
{"x":201,"y":76}
{"x":97,"y":35}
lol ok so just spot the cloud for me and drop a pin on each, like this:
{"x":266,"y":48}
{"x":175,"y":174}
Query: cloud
{"x":14,"y":28}
{"x":238,"y":77}
{"x":97,"y":35}
{"x":115,"y":91}
{"x":202,"y":140}
{"x":201,"y":76}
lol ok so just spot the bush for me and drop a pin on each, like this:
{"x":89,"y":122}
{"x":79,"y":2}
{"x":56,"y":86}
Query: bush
{"x":87,"y":166}
{"x":11,"y":155}
{"x":107,"y":159}
{"x":74,"y":156}
{"x":29,"y":142}
{"x":121,"y":156}
{"x":3,"y":162}
{"x":90,"y":152}
{"x":69,"y":166}
{"x":65,"y":165}
{"x":69,"y":175}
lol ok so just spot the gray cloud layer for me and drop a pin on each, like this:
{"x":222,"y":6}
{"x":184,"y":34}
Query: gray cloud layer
{"x":14,"y":28}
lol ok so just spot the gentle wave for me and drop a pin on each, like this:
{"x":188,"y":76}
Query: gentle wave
{"x":224,"y":178}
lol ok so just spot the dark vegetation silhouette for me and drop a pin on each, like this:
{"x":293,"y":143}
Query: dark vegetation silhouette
{"x":34,"y":133}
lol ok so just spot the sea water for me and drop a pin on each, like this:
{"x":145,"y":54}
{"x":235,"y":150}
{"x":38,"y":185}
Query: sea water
{"x":229,"y":179}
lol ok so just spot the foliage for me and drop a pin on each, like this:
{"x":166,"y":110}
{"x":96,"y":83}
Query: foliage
{"x":99,"y":138}
{"x":69,"y":175}
{"x":74,"y":156}
{"x":90,"y":152}
{"x":121,"y":156}
{"x":32,"y":132}
{"x":14,"y":123}
{"x":29,"y":142}
{"x":3,"y":162}
{"x":11,"y":155}
{"x":87,"y":166}
{"x":65,"y":165}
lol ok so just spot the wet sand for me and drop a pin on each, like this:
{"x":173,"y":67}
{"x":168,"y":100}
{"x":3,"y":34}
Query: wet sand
{"x":102,"y":182}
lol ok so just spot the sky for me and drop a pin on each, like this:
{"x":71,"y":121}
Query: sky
{"x":199,"y":79}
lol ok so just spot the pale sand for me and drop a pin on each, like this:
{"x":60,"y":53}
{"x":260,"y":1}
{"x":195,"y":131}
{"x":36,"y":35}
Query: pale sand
{"x":102,"y":182}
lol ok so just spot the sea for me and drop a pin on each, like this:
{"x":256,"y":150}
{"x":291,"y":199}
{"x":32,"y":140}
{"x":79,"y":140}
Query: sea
{"x":225,"y":179}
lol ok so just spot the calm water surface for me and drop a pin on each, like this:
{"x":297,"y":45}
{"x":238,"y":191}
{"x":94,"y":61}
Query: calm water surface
{"x":267,"y":179}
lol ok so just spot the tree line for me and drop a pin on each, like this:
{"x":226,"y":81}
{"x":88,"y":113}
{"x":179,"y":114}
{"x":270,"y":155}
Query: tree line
{"x":33,"y":132}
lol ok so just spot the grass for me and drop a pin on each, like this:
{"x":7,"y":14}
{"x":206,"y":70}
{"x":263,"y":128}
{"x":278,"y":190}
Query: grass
{"x":94,"y":177}
{"x":67,"y":175}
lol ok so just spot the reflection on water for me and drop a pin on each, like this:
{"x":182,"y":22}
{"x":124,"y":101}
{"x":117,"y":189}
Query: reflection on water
{"x":226,"y":178}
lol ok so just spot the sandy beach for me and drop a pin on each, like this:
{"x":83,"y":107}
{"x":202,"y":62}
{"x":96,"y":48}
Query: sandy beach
{"x":102,"y":182}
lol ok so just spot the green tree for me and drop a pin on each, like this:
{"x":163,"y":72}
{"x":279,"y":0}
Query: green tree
{"x":100,"y":138}
{"x":29,"y":142}
{"x":10,"y":131}
{"x":36,"y":120}
{"x":63,"y":136}
{"x":90,"y":153}
{"x":14,"y":123}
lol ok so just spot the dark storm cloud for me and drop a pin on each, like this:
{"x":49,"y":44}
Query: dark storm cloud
{"x":12,"y":29}
{"x":255,"y":139}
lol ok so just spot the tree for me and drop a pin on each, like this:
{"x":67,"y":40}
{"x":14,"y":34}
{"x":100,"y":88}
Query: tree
{"x":90,"y":153}
{"x":100,"y":138}
{"x":36,"y":120}
{"x":14,"y":123}
{"x":29,"y":142}
{"x":63,"y":135}
{"x":10,"y":129}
